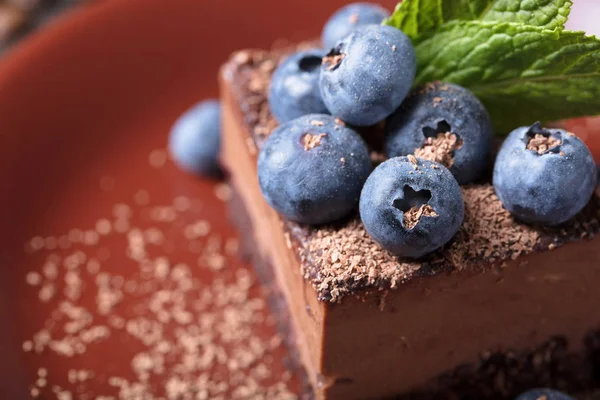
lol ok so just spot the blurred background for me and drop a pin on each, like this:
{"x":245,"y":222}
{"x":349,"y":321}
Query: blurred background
{"x":21,"y":17}
{"x":585,"y":15}
{"x":18,"y":18}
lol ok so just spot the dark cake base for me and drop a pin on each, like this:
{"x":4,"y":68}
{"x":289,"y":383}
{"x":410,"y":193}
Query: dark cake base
{"x":498,"y":375}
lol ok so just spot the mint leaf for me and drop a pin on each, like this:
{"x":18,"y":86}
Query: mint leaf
{"x":549,"y":14}
{"x":521,"y":73}
{"x":419,"y":17}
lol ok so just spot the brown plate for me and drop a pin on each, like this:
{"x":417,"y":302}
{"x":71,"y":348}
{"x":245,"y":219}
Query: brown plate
{"x":119,"y":272}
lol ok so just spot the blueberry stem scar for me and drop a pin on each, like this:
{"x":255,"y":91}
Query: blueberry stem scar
{"x":442,"y":127}
{"x":440,"y":144}
{"x":310,"y":141}
{"x":333,"y":59}
{"x":541,"y":140}
{"x":414,"y":206}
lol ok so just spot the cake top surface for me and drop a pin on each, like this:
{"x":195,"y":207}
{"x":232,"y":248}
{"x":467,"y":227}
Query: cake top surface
{"x":342,"y":259}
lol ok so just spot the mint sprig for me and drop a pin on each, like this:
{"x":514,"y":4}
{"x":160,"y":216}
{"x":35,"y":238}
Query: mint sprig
{"x":513,"y":54}
{"x":420,"y":17}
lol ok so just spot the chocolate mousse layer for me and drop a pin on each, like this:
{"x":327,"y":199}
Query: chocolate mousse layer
{"x":504,"y":306}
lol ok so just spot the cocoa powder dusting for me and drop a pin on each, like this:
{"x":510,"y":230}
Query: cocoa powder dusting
{"x":311,"y":141}
{"x":413,"y":216}
{"x":541,"y":143}
{"x":440,"y":148}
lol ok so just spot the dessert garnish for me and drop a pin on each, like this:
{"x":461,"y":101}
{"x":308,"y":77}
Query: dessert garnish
{"x":349,"y":17}
{"x":444,"y":123}
{"x":515,"y":56}
{"x":294,"y":90}
{"x":474,"y":67}
{"x":312,"y":169}
{"x":372,"y":78}
{"x":195,"y":139}
{"x":543,"y":175}
{"x":411,"y":211}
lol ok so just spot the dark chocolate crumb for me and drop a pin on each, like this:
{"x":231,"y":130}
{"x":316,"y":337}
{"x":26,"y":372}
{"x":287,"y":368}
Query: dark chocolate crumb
{"x":542,"y":143}
{"x":333,"y":60}
{"x":311,"y":141}
{"x":440,"y":148}
{"x":413,"y":216}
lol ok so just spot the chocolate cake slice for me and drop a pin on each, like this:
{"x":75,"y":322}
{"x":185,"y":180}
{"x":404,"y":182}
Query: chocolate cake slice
{"x":501,"y":308}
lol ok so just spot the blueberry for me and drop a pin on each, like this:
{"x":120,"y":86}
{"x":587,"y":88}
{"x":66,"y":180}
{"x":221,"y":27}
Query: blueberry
{"x":444,"y":123}
{"x":544,"y":175}
{"x":410,"y":206}
{"x":294,"y":89}
{"x":365,"y":77}
{"x":545,"y":394}
{"x":311,"y":169}
{"x":195,"y":138}
{"x":349,"y":17}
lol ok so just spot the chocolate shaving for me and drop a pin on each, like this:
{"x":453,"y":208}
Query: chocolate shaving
{"x":333,"y":59}
{"x":311,"y":141}
{"x":413,"y":216}
{"x":440,"y":148}
{"x":541,"y":143}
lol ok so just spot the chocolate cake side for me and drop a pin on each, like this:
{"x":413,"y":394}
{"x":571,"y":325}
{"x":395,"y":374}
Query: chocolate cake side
{"x":369,"y":325}
{"x":496,"y":375}
{"x":276,"y":299}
